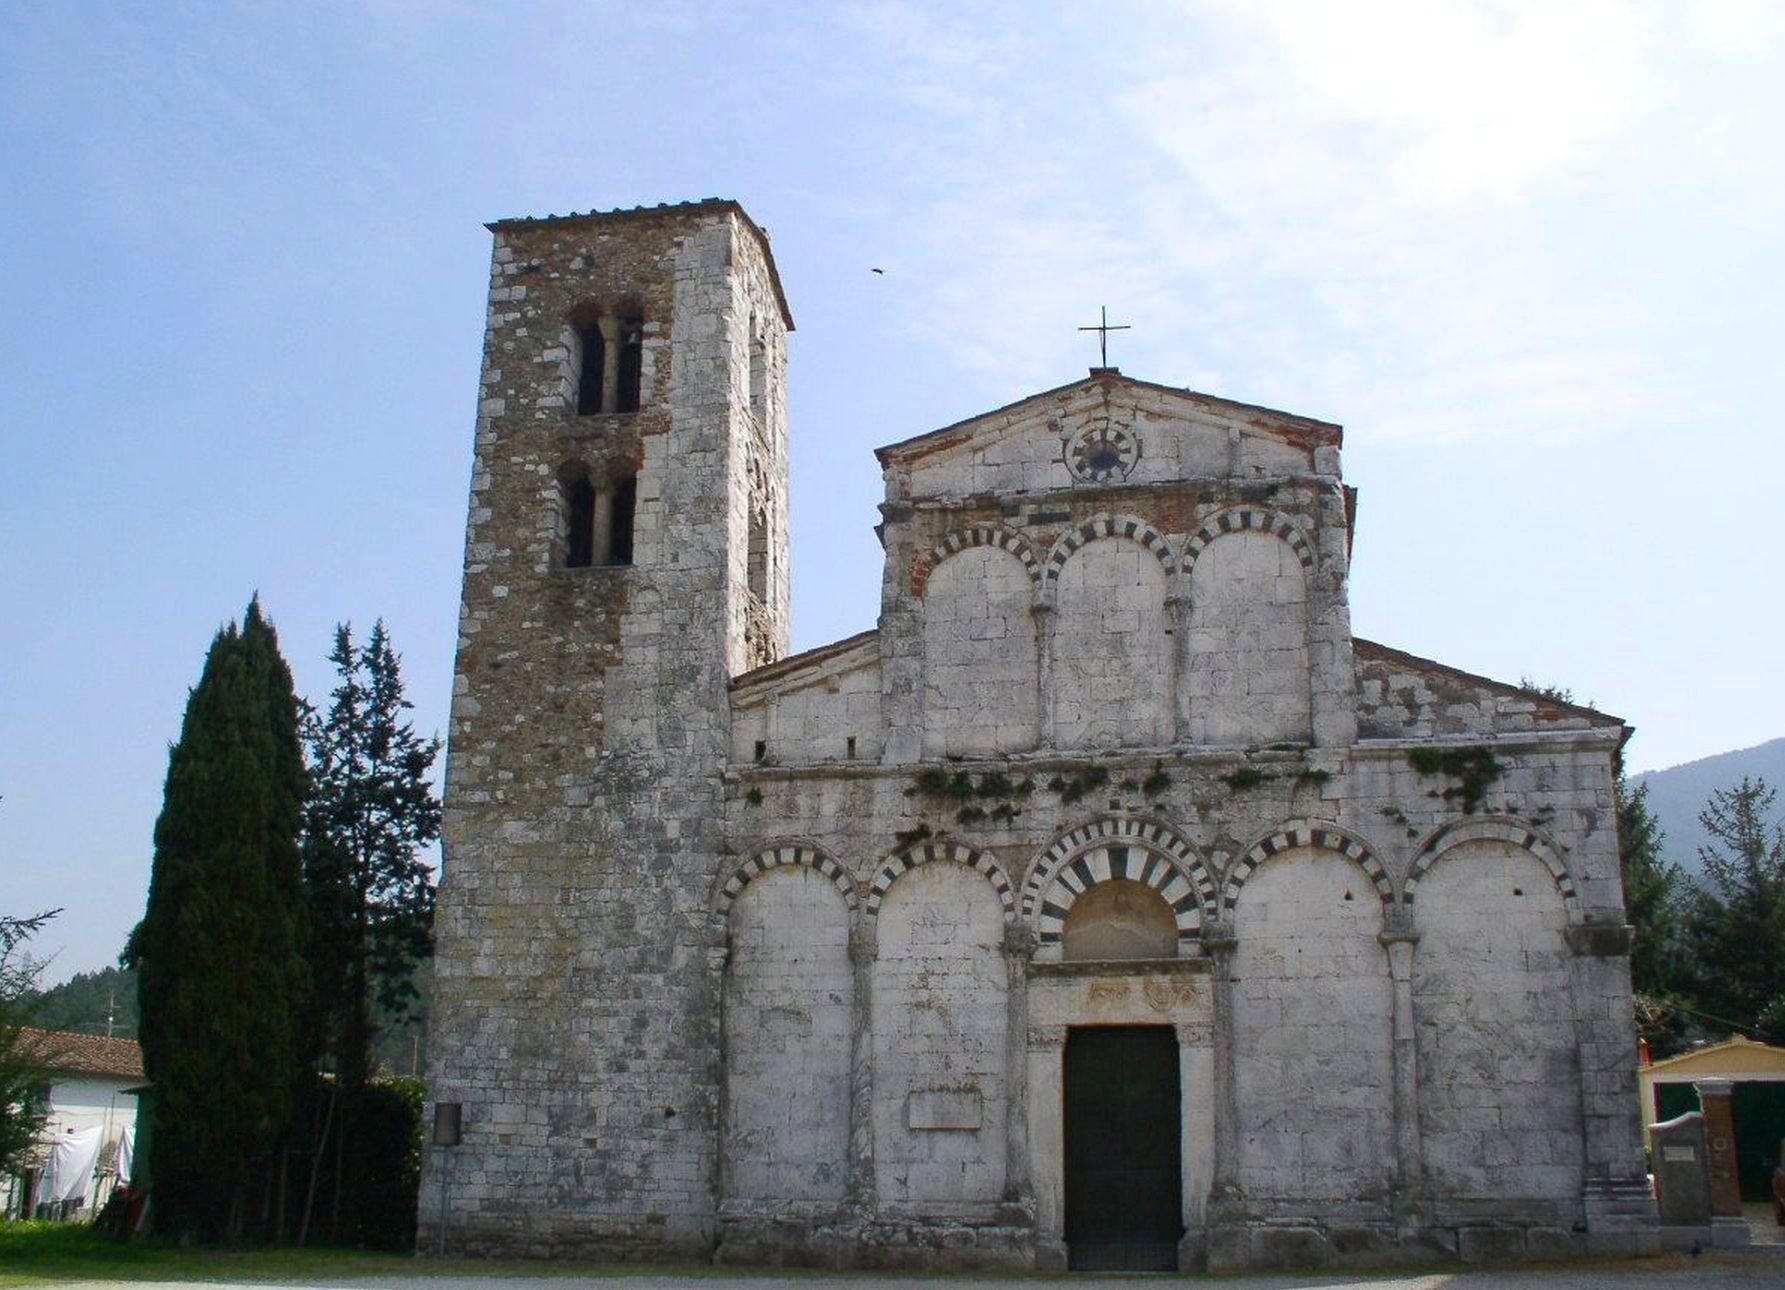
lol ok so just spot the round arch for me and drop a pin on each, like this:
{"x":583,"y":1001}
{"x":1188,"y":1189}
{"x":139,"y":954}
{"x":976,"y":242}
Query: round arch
{"x":1318,"y":834}
{"x":1131,"y":527}
{"x":793,"y":853}
{"x":1494,"y":828}
{"x":1248,"y":519}
{"x":991,"y":535}
{"x":930,"y":853}
{"x":1142,"y":850}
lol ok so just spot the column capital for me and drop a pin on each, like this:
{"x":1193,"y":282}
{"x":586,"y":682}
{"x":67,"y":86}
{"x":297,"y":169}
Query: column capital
{"x":864,"y":943}
{"x":1019,"y":941}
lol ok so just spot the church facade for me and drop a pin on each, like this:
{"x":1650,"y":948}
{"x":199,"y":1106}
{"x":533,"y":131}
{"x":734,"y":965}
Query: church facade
{"x":1109,"y":905}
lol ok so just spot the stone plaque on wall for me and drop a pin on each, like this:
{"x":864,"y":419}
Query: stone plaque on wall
{"x":944,"y":1108}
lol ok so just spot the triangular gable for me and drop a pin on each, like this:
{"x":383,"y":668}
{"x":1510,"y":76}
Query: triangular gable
{"x":811,"y":666}
{"x":1107,"y":385}
{"x":1402,"y":695}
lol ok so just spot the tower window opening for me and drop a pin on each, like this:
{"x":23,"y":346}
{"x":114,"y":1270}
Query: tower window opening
{"x":579,"y":511}
{"x":759,"y":378}
{"x":632,"y":352}
{"x":597,"y":520}
{"x":612,"y":365}
{"x":620,"y":518}
{"x":588,"y":386}
{"x":758,"y":555}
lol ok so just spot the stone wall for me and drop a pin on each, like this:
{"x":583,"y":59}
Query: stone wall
{"x":826,"y":711}
{"x":1347,"y":1111}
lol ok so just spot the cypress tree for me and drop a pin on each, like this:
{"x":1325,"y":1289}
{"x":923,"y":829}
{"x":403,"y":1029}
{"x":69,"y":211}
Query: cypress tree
{"x":219,"y":953}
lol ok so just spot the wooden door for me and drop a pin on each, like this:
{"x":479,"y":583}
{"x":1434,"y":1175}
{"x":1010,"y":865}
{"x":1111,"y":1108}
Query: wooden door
{"x":1124,"y":1180}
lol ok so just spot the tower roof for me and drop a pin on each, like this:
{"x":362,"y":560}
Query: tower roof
{"x":660,"y":210}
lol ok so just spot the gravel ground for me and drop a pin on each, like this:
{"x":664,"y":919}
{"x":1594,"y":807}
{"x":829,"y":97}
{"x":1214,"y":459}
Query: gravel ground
{"x":1759,"y":1268}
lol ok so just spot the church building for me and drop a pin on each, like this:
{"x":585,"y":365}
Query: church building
{"x":1108,"y":905}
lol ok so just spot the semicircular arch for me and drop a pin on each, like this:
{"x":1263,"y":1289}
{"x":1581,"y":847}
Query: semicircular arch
{"x":1248,"y":519}
{"x":991,"y":535}
{"x":1131,"y":527}
{"x":780,"y":856}
{"x":1494,"y":828}
{"x":1106,"y":848}
{"x":1318,"y":834}
{"x":901,"y":862}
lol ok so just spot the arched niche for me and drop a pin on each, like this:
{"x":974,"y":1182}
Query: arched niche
{"x":1111,"y":649}
{"x":1313,"y":1011}
{"x":1493,"y":1005}
{"x":1249,"y":680}
{"x":788,"y":1033}
{"x":979,"y":654}
{"x":939,"y":994}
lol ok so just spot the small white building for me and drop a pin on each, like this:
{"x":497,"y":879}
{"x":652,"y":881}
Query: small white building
{"x":87,"y":1141}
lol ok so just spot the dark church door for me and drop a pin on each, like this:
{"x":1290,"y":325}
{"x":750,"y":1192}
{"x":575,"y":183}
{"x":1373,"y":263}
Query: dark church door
{"x":1124,"y":1182}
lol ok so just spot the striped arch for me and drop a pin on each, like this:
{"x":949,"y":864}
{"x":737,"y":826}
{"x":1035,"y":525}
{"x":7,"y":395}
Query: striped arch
{"x":774,"y":858}
{"x":1144,"y":851}
{"x":1241,"y":519}
{"x":1493,"y":828}
{"x":988,"y":535}
{"x":1102,"y":526}
{"x":929,"y":853}
{"x":1307,"y":833}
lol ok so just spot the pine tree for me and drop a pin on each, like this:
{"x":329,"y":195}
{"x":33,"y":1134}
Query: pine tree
{"x":219,"y":953}
{"x":1739,"y":921}
{"x":370,"y":812}
{"x":1654,"y":902}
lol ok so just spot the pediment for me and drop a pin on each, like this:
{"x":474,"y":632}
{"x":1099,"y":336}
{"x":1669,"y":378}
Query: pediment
{"x":1106,"y":431}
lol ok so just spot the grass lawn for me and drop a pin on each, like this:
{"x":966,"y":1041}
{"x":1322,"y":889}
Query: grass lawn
{"x":43,"y":1253}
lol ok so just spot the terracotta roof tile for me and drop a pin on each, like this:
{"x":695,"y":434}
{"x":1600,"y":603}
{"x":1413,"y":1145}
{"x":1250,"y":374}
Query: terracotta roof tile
{"x":64,"y":1050}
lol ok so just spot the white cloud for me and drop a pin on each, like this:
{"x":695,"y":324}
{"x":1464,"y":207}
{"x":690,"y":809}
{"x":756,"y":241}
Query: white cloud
{"x":1422,"y":217}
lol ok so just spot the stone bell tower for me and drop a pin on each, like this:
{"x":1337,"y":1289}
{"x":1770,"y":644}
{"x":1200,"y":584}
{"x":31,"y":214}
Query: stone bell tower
{"x":625,"y":556}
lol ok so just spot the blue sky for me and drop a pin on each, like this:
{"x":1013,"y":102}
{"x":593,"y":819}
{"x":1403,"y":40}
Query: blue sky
{"x":1530,"y":255}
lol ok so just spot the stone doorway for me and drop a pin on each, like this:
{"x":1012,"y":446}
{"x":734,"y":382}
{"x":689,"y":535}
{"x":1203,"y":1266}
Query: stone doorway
{"x":1124,"y":1199}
